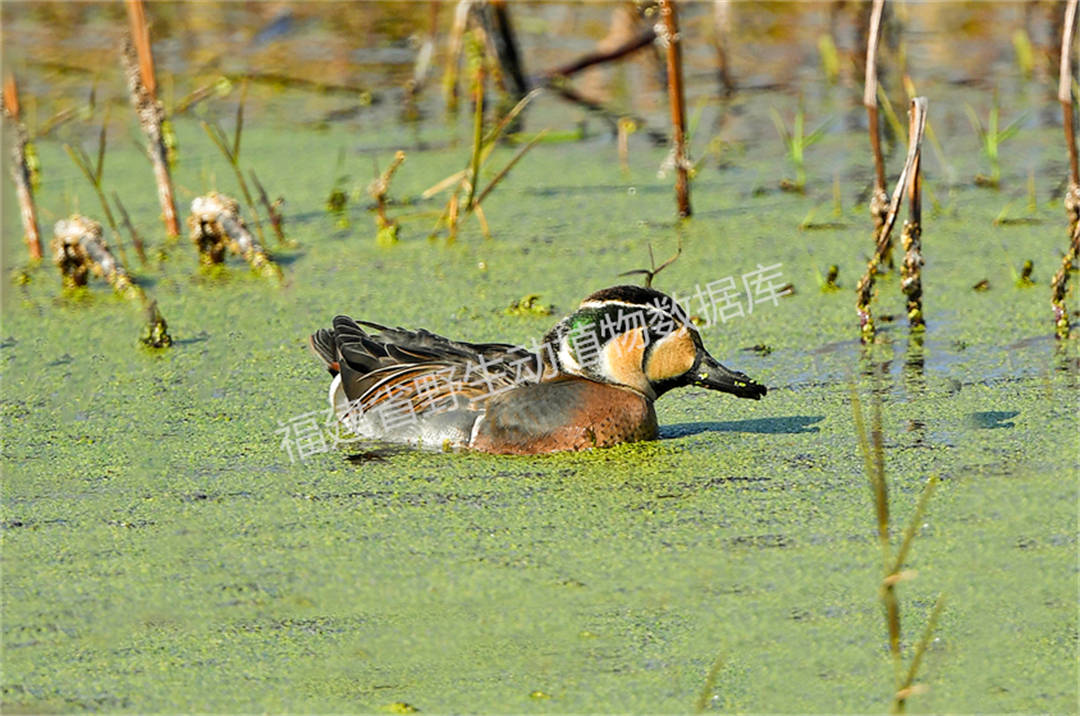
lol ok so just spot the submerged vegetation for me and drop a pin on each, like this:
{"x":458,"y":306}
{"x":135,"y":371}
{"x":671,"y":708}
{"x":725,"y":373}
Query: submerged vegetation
{"x":872,"y":449}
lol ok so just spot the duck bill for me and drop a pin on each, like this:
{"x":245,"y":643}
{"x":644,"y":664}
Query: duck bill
{"x":714,"y":376}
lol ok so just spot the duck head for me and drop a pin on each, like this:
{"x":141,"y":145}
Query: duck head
{"x":641,"y":339}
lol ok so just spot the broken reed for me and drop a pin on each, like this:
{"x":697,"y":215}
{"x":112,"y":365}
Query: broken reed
{"x":79,"y":249}
{"x":872,"y":450}
{"x":865,"y":289}
{"x":1059,"y":286}
{"x":677,"y":102}
{"x":386,"y":228}
{"x":911,"y":238}
{"x":216,"y":225}
{"x":156,"y":333}
{"x":20,"y":170}
{"x":142,"y":85}
{"x":879,"y":199}
{"x":645,"y":37}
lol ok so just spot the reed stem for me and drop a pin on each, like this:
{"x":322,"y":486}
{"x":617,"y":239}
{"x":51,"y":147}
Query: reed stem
{"x":879,"y":198}
{"x":640,"y":41}
{"x":1065,"y":89}
{"x":509,"y":165}
{"x":277,"y":221}
{"x":217,"y":135}
{"x":453,"y":61}
{"x":20,"y":170}
{"x":911,"y":269}
{"x":378,"y":190}
{"x":865,"y":289}
{"x":94,"y":175}
{"x":708,"y":689}
{"x":1059,"y":286}
{"x":136,"y":240}
{"x":677,"y":101}
{"x":478,"y":133}
{"x":139,"y":68}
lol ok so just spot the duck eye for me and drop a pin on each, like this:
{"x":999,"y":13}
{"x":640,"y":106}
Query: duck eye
{"x":702,"y":376}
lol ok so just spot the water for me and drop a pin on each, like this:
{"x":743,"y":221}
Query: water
{"x":163,"y":553}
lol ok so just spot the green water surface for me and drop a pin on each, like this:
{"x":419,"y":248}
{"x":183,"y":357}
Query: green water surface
{"x":162,"y":553}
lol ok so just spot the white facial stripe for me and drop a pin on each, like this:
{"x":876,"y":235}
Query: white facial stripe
{"x":567,"y":361}
{"x":645,"y":307}
{"x":607,"y":367}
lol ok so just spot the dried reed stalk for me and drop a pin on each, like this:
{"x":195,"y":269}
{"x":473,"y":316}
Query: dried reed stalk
{"x":721,"y":36}
{"x":911,"y":238}
{"x":136,"y":240}
{"x":378,"y":189}
{"x":640,"y":41}
{"x":79,"y":249}
{"x":453,"y":60}
{"x":879,"y":199}
{"x":478,"y":133}
{"x":215,"y":224}
{"x":503,"y":47}
{"x":142,"y":86}
{"x":20,"y":170}
{"x":650,"y":273}
{"x":626,"y":128}
{"x":1059,"y":286}
{"x":273,"y":208}
{"x":676,"y":99}
{"x":231,"y":152}
{"x":865,"y":289}
{"x":509,"y":165}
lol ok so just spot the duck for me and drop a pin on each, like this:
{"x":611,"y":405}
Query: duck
{"x":590,"y":383}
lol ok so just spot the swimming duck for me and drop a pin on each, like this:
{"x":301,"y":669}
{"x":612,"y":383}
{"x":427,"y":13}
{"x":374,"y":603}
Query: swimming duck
{"x":590,"y":383}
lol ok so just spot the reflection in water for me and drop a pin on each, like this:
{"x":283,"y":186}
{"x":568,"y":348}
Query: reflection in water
{"x":992,"y":419}
{"x":791,"y":425}
{"x":1067,"y":360}
{"x":915,"y":364}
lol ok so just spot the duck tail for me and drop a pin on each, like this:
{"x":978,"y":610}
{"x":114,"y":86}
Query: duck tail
{"x":323,"y":344}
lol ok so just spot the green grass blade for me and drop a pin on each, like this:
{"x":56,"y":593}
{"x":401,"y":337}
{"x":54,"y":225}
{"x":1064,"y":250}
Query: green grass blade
{"x":710,"y":685}
{"x":913,"y":526}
